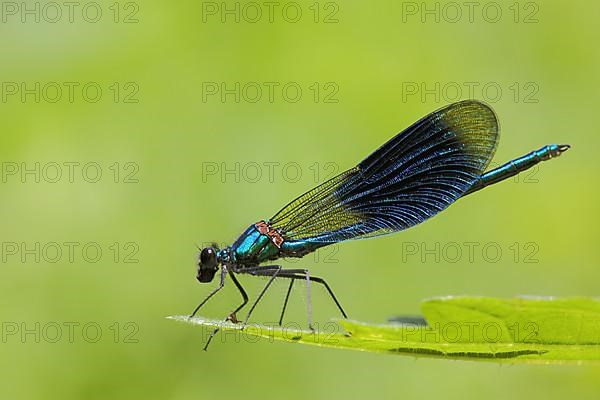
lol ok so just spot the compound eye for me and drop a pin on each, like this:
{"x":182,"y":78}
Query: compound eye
{"x":208,"y":256}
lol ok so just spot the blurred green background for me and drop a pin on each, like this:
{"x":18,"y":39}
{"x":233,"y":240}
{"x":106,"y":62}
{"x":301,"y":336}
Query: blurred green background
{"x":162,"y":132}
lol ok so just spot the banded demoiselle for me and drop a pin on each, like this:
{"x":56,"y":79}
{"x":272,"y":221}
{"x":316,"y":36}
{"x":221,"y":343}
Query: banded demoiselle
{"x":415,"y":175}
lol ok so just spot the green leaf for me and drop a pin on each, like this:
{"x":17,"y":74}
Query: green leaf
{"x":519,"y":330}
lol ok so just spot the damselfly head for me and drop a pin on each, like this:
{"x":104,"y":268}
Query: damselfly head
{"x":208,"y":264}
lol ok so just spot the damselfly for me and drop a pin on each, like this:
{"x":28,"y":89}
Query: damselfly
{"x":415,"y":175}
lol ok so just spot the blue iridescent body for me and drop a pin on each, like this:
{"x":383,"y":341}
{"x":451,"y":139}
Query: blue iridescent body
{"x":253,"y":248}
{"x":414,"y":176}
{"x":517,"y":165}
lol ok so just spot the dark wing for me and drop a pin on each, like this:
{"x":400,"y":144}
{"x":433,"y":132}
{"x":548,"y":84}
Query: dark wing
{"x":411,"y":178}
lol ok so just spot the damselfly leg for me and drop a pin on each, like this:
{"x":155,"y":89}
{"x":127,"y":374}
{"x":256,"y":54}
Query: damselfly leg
{"x":233,"y":315}
{"x":315,"y":279}
{"x":221,"y":284}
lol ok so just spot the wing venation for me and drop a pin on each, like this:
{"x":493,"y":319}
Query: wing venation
{"x":412,"y":177}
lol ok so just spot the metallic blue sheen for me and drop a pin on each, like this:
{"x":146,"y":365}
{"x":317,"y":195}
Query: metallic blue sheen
{"x":253,"y":248}
{"x":415,"y":175}
{"x":517,"y":165}
{"x":299,"y":248}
